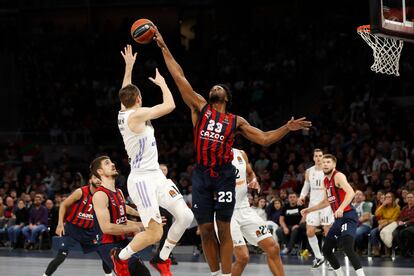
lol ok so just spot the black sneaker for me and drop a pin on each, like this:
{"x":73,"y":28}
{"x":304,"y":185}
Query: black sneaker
{"x":317,"y":262}
{"x":173,"y":260}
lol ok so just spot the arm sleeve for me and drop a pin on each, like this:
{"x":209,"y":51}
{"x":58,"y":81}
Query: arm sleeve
{"x":305,"y":189}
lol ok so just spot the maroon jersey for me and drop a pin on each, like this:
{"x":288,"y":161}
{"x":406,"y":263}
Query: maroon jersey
{"x":214,"y":137}
{"x":81,"y":213}
{"x":117,"y":212}
{"x":335,"y":195}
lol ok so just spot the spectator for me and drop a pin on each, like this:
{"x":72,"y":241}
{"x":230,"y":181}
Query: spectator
{"x":274,"y":210}
{"x":403,"y":235}
{"x":378,"y":161}
{"x":37,"y":222}
{"x":52,"y":216}
{"x":260,"y":208}
{"x":22,"y":219}
{"x":292,"y":224}
{"x":363,"y":209}
{"x":387,"y":213}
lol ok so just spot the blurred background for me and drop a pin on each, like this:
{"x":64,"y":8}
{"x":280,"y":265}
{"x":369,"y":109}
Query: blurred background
{"x":61,"y":71}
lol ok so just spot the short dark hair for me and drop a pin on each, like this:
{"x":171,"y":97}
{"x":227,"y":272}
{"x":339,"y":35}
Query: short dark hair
{"x":317,"y":150}
{"x":330,"y":156}
{"x":128,"y":95}
{"x":229,"y":95}
{"x":96,"y":164}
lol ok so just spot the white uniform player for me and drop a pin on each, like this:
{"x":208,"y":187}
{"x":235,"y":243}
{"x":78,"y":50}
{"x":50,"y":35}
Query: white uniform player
{"x":246,"y":223}
{"x":314,"y":185}
{"x":148,"y":187}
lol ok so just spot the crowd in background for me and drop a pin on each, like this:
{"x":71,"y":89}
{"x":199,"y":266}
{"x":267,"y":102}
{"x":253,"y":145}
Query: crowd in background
{"x":70,"y":117}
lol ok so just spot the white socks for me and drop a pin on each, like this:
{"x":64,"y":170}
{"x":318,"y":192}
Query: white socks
{"x":226,"y":274}
{"x":217,"y":273}
{"x":126,"y":253}
{"x":166,"y":250}
{"x":339,"y":272}
{"x":108,"y":274}
{"x":313,"y":241}
{"x":360,"y":272}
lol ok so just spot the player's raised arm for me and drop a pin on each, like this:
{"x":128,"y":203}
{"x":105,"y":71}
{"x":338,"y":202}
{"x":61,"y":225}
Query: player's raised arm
{"x":194,"y":100}
{"x":75,"y":196}
{"x":266,"y":138}
{"x":129,"y":58}
{"x":167,"y":106}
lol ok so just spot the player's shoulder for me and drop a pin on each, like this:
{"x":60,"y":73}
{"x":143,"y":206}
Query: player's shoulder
{"x":339,"y":175}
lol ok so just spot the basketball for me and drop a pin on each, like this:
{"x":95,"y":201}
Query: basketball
{"x":142,"y":31}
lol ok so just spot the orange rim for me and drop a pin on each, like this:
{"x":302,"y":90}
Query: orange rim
{"x":364,"y":29}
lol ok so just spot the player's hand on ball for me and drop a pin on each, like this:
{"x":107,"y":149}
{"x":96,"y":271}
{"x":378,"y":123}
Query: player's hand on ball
{"x":298,"y":124}
{"x":339,"y":213}
{"x":128,"y":55}
{"x":160,"y":41}
{"x":159,"y":80}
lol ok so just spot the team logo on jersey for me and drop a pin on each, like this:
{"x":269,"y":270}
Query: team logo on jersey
{"x":173,"y":193}
{"x":262,"y":231}
{"x":208,"y":113}
{"x":240,"y":160}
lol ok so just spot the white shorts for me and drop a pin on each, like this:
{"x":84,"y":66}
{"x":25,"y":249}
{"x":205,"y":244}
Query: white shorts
{"x":246,"y":223}
{"x":320,"y":217}
{"x":149,"y":191}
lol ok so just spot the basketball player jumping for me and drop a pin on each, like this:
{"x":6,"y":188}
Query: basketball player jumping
{"x":213,"y":178}
{"x":339,"y":195}
{"x":111,"y":210}
{"x":76,"y":225}
{"x":245,"y":223}
{"x":147,"y":185}
{"x":314,"y":177}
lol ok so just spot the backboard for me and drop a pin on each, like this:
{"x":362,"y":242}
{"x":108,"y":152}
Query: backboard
{"x":393,"y":18}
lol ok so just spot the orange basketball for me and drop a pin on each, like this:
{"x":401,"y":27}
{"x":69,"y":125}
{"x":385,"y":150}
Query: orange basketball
{"x":143,"y":31}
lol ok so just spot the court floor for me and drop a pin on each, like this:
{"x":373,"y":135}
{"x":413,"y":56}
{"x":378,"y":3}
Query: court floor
{"x":34,"y":263}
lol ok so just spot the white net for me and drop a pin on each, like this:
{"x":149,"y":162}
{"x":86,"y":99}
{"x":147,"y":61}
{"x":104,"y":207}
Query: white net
{"x":386,"y":50}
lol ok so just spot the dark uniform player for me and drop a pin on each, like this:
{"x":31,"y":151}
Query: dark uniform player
{"x":339,"y":195}
{"x":214,"y":176}
{"x":78,"y":214}
{"x":111,"y":218}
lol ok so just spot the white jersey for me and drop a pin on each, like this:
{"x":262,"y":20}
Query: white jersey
{"x":241,"y":181}
{"x":141,"y":148}
{"x":316,"y":186}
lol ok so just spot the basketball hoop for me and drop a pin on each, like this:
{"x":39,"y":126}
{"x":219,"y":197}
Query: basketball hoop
{"x":386,"y":50}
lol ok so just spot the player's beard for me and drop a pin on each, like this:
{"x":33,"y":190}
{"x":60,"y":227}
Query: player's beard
{"x":328,"y":172}
{"x":215,"y":98}
{"x":115,"y":174}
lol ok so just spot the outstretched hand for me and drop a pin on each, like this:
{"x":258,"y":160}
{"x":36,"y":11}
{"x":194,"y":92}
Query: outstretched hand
{"x":160,"y":41}
{"x":128,"y":55}
{"x":159,"y":80}
{"x":298,"y":124}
